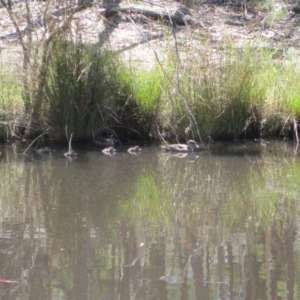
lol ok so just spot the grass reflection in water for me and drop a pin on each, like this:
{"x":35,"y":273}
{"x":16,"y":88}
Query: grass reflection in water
{"x":204,"y":225}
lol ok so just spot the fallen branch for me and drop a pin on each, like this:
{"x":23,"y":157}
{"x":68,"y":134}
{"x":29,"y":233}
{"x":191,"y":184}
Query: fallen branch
{"x":177,"y":18}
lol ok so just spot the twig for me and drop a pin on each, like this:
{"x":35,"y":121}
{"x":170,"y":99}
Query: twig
{"x":296,"y":130}
{"x":14,"y":147}
{"x":70,"y":141}
{"x":285,"y":122}
{"x":167,"y":76}
{"x":66,"y":131}
{"x":35,"y":140}
{"x":12,"y":18}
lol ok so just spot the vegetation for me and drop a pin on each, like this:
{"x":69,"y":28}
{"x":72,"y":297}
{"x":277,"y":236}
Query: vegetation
{"x":81,"y":90}
{"x":236,"y":92}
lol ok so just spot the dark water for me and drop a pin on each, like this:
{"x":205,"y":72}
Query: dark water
{"x":218,"y":224}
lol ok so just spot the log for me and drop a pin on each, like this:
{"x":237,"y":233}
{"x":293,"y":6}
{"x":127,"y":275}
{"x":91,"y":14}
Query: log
{"x":177,"y":18}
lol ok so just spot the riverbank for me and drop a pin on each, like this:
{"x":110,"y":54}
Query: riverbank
{"x":228,"y":73}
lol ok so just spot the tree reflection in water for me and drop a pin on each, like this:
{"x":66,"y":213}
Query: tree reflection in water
{"x":203,"y":226}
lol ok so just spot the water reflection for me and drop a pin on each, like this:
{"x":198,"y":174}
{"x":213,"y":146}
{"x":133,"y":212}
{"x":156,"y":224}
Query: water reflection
{"x":217,"y":224}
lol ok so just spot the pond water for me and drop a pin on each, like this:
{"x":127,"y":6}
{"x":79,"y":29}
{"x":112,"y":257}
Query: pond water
{"x":222,"y":223}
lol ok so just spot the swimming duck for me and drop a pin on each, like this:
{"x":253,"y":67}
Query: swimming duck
{"x":102,"y":141}
{"x":134,"y":150}
{"x":188,"y":147}
{"x":70,"y":153}
{"x":45,"y":150}
{"x":109,"y":151}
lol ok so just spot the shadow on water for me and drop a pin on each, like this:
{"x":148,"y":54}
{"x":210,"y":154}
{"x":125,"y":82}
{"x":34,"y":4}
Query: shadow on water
{"x":222,"y":223}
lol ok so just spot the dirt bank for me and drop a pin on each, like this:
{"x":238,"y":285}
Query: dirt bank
{"x":140,"y":38}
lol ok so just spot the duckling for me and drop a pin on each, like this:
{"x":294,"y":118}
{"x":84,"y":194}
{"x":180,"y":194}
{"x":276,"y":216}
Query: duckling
{"x":109,"y":151}
{"x":134,"y":150}
{"x":71,"y":153}
{"x":45,"y":150}
{"x":111,"y":141}
{"x":188,"y":147}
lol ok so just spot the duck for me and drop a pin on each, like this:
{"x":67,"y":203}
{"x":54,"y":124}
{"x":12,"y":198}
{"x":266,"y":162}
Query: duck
{"x":71,"y":153}
{"x":45,"y":150}
{"x":109,"y":151}
{"x":188,"y":147}
{"x":134,"y":150}
{"x":102,"y":141}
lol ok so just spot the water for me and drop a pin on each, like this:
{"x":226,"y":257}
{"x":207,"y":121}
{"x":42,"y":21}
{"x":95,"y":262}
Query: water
{"x":222,"y":223}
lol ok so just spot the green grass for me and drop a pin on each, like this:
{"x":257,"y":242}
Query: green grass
{"x":145,"y":86}
{"x":223,"y":94}
{"x":81,"y":89}
{"x":287,"y":91}
{"x":11,"y":103}
{"x":10,"y":90}
{"x":275,"y":16}
{"x":232,"y":93}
